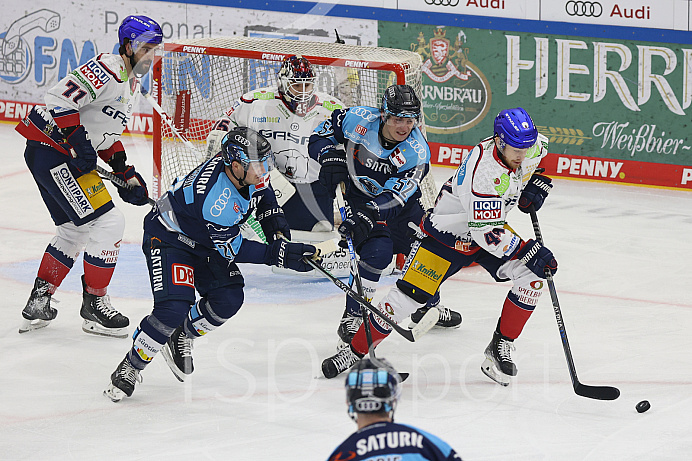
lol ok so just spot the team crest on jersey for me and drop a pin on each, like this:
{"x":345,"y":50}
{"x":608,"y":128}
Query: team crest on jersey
{"x":487,"y":210}
{"x":361,"y":130}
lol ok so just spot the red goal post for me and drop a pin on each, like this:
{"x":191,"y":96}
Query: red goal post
{"x":196,"y":80}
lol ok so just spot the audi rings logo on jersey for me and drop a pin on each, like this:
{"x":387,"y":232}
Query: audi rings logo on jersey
{"x":442,"y":2}
{"x":220,"y":203}
{"x":586,"y":9}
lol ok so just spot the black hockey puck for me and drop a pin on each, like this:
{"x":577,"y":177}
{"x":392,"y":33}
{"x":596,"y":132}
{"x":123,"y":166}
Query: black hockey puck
{"x":643,"y":406}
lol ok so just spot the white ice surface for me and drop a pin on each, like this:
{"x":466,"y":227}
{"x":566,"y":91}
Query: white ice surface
{"x":256,"y":394}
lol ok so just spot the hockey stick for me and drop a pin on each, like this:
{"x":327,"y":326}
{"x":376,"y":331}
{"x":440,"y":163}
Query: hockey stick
{"x":584,"y":390}
{"x":341,"y":203}
{"x":411,"y":335}
{"x":119,"y":182}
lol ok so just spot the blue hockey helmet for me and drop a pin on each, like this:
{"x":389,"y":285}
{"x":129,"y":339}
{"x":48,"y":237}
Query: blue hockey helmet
{"x":372,"y":387}
{"x":247,"y":146}
{"x":401,"y":101}
{"x":515,"y":127}
{"x":139,"y":29}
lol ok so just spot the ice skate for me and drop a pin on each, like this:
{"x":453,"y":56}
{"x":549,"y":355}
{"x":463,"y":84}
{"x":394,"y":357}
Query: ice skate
{"x":37,"y":313}
{"x":498,"y":364}
{"x":348,"y":326}
{"x":448,"y":317}
{"x":339,"y":362}
{"x":178,"y":354}
{"x":100,"y":317}
{"x":123,"y":381}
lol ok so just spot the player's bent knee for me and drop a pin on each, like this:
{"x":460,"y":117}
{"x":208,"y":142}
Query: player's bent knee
{"x":400,"y":304}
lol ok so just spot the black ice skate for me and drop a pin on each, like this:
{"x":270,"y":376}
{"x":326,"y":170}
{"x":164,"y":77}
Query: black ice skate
{"x":340,"y":362}
{"x":123,"y":381}
{"x":348,"y":326}
{"x":448,"y":317}
{"x":100,"y":318}
{"x":498,"y":364}
{"x":178,"y":354}
{"x":37,"y":313}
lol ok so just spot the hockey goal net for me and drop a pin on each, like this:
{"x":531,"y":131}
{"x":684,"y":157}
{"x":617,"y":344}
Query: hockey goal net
{"x":197,"y":80}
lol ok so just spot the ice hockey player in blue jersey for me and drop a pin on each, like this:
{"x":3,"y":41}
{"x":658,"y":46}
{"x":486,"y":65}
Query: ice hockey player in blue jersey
{"x":468,"y":224}
{"x":373,"y":388}
{"x":383,"y":159}
{"x":82,"y":119}
{"x":192,"y":242}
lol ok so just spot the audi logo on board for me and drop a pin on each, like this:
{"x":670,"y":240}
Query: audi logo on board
{"x":442,"y":2}
{"x":586,"y":9}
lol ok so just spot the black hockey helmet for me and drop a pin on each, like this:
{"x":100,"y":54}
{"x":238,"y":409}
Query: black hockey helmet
{"x":249,"y":148}
{"x":400,"y":101}
{"x":372,"y":387}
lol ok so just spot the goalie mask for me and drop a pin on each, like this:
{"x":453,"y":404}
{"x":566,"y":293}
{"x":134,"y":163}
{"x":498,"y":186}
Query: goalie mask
{"x":296,"y":84}
{"x":515,"y":127}
{"x":372,"y":387}
{"x":400,"y":101}
{"x":138,"y":30}
{"x":250,"y":149}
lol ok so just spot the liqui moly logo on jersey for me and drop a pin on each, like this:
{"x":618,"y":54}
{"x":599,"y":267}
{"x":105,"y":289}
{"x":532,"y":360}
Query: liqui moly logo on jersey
{"x":361,"y":130}
{"x":487,"y":210}
{"x":95,"y":74}
{"x":183,"y":275}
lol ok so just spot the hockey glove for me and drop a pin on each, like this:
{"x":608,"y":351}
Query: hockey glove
{"x":273,"y":221}
{"x":85,"y":160}
{"x":535,"y":193}
{"x":289,"y":255}
{"x":537,"y":258}
{"x":136,"y":193}
{"x":334,"y":169}
{"x":358,"y":225}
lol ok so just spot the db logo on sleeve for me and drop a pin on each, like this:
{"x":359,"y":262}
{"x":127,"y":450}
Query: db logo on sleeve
{"x":183,"y":275}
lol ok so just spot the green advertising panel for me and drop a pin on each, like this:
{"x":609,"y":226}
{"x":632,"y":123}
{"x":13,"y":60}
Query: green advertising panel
{"x":609,"y":98}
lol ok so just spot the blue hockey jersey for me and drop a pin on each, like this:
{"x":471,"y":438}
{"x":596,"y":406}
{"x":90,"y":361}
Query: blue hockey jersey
{"x":205,"y":210}
{"x":392,"y":441}
{"x":377,"y":172}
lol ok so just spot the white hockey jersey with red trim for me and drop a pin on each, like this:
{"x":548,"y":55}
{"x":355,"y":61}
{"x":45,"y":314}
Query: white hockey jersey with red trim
{"x":472,"y":207}
{"x":97,"y":95}
{"x":263,"y":110}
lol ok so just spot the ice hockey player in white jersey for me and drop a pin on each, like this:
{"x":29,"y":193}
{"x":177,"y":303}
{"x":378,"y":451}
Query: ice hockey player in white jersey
{"x":287,"y":115}
{"x":84,"y":115}
{"x":467,"y":225}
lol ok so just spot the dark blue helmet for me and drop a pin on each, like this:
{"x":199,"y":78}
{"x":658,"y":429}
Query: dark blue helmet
{"x":138,"y":30}
{"x":400,"y":101}
{"x":515,"y":127}
{"x":245,"y":145}
{"x":372,"y":387}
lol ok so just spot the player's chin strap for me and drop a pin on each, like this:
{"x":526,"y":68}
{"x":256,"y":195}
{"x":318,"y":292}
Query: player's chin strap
{"x":241,"y":181}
